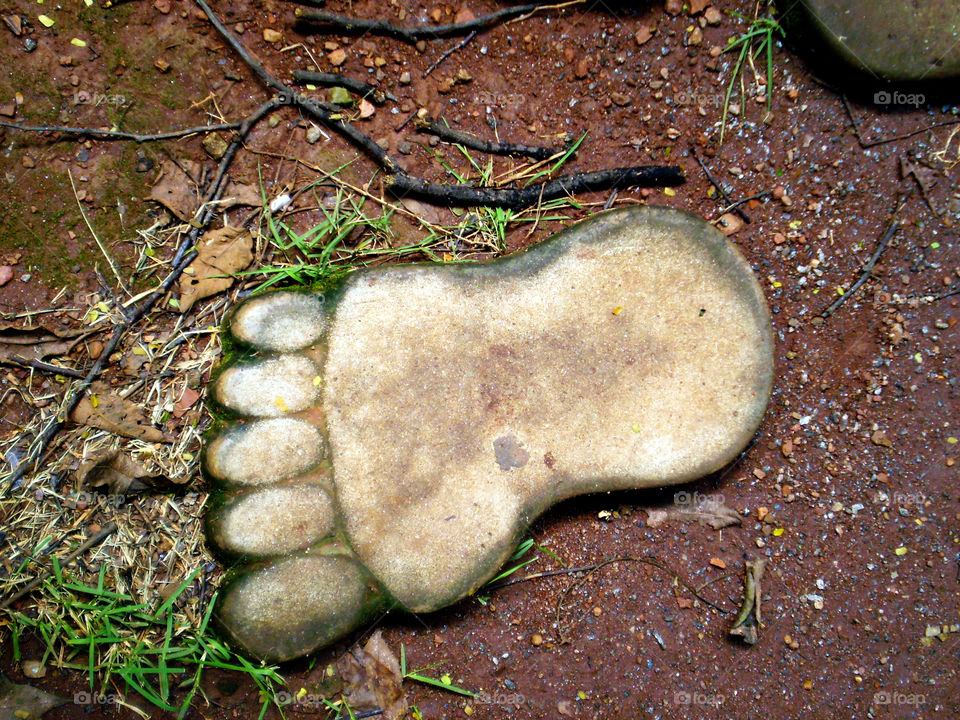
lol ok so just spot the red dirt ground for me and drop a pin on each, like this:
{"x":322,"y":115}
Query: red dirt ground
{"x":865,"y":404}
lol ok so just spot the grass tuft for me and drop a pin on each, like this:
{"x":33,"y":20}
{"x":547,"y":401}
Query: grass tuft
{"x":756,"y":42}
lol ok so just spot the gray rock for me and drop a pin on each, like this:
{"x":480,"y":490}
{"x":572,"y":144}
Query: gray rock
{"x":881,"y":42}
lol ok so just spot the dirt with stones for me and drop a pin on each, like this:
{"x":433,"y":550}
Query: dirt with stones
{"x":851,"y":491}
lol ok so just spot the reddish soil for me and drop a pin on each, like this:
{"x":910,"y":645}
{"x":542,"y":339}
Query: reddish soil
{"x":865,"y":405}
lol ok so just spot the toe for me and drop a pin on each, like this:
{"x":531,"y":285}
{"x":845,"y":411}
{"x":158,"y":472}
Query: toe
{"x":271,"y":521}
{"x":269,"y":388}
{"x":296,"y":605}
{"x":265,"y":451}
{"x":280,"y":322}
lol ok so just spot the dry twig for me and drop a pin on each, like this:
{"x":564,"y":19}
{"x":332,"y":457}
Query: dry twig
{"x":490,"y":147}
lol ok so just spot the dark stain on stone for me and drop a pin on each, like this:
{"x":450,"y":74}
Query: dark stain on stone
{"x":509,"y":453}
{"x":548,"y":460}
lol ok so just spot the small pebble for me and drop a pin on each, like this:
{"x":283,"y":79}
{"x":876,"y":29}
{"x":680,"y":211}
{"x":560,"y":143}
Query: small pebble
{"x":34,"y":669}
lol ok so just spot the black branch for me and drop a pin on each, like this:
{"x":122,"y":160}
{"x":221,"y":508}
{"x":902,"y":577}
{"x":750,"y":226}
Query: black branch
{"x":403,"y":185}
{"x":412,"y":35}
{"x":357,"y":87}
{"x":96,"y":134}
{"x":445,"y":132}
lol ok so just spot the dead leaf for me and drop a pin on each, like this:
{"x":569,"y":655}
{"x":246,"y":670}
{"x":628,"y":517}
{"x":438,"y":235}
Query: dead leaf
{"x":175,"y":191}
{"x":749,"y":619}
{"x":187,"y":399}
{"x":927,"y":179}
{"x":116,"y":473}
{"x":238,"y":193}
{"x":25,"y":702}
{"x":19,"y":345}
{"x":428,"y":213}
{"x":100,"y":409}
{"x":220,"y":253}
{"x":708,"y":512}
{"x":372,"y":678}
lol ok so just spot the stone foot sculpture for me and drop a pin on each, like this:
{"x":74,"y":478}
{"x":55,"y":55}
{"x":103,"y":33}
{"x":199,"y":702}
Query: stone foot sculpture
{"x":390,"y":439}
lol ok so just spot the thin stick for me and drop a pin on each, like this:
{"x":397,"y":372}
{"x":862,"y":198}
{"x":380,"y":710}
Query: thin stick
{"x":490,"y":147}
{"x":884,"y":141}
{"x":358,"y":87}
{"x":716,"y":183}
{"x":459,"y":46}
{"x":91,"y":541}
{"x":118,"y":135}
{"x":411,"y":35}
{"x":867,"y":269}
{"x":54,"y":369}
{"x":650,"y":560}
{"x":742,"y":201}
{"x":93,"y":232}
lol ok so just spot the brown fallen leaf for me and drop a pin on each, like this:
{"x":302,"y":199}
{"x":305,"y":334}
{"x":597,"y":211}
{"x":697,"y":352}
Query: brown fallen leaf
{"x":749,"y":619}
{"x":100,"y":409}
{"x":175,"y":191}
{"x":239,"y":193}
{"x":372,"y":678}
{"x":19,"y":345}
{"x":707,"y":512}
{"x":25,"y":702}
{"x":116,"y":473}
{"x":187,"y":400}
{"x":926,"y":177}
{"x":220,"y":253}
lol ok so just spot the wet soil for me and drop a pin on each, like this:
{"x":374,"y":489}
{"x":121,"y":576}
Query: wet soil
{"x":854,"y":464}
